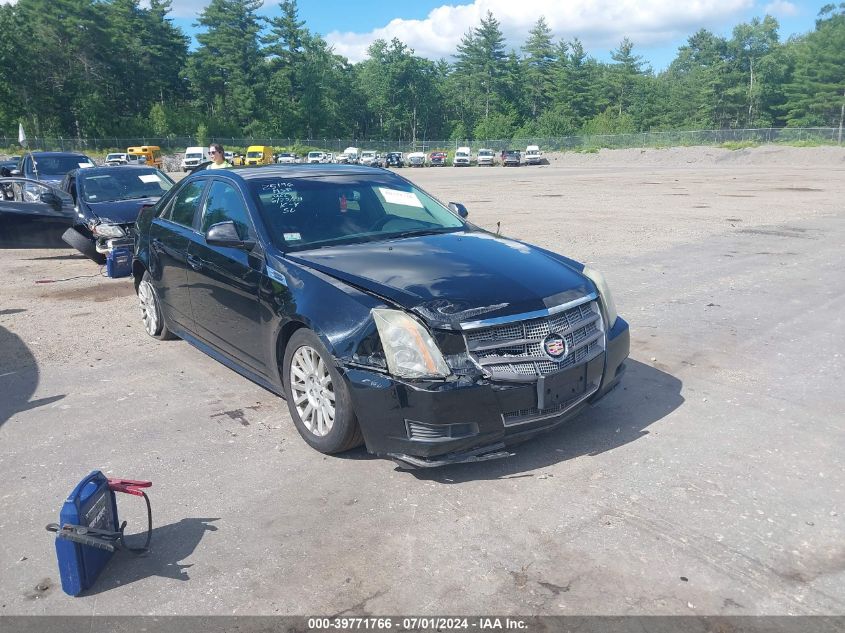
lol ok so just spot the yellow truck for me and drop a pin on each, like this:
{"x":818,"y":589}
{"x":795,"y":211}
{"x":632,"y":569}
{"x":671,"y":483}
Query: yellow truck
{"x":259,"y":155}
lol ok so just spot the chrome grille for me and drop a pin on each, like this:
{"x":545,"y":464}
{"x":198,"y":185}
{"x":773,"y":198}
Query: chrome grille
{"x":514,"y":351}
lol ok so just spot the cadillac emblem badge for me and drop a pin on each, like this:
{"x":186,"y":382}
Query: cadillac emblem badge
{"x":554,"y":345}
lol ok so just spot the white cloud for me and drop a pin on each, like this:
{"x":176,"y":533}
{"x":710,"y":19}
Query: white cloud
{"x":598,"y":23}
{"x":781,"y":8}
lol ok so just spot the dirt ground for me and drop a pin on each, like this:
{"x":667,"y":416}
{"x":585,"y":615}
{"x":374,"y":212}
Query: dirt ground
{"x":710,"y":483}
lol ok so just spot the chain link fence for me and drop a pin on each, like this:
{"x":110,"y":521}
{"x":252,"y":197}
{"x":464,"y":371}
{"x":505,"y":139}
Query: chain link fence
{"x":821,"y":136}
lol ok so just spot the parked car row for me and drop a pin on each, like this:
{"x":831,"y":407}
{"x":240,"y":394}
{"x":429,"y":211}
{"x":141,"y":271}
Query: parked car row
{"x":484,"y":158}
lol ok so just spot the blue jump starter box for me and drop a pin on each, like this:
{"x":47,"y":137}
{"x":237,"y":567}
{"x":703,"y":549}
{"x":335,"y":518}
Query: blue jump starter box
{"x":92,"y":504}
{"x":119,"y":262}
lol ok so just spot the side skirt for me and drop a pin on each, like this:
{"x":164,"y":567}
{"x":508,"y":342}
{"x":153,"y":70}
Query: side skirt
{"x":204,"y":347}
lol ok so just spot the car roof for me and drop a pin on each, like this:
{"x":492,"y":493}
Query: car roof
{"x":36,"y":154}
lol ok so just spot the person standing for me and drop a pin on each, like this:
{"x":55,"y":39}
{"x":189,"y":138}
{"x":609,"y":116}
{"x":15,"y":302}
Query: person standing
{"x":218,"y":159}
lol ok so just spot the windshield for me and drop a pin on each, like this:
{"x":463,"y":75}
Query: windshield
{"x":126,"y":183}
{"x":461,"y":154}
{"x":485,"y":153}
{"x":314,"y":154}
{"x":254,"y":154}
{"x":193,"y":155}
{"x":60,"y":165}
{"x":302,"y":214}
{"x":115,"y":157}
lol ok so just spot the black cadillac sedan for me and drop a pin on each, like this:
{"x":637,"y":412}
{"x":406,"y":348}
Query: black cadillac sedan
{"x":382,"y":316}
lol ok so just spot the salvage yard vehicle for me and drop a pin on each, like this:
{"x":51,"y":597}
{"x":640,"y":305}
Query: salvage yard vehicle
{"x":462,"y":157}
{"x":316,"y":158}
{"x":394,"y":159}
{"x":258,"y":155}
{"x":122,"y":158}
{"x":381,"y":315}
{"x":533,"y":155}
{"x":52,"y":166}
{"x":512,"y":158}
{"x":486,"y":158}
{"x":108,"y":201}
{"x":195,"y":156}
{"x":285,"y":158}
{"x":437,"y":159}
{"x":368,"y":158}
{"x":34,"y":220}
{"x":416,"y":159}
{"x":151,"y":154}
{"x":10,"y":163}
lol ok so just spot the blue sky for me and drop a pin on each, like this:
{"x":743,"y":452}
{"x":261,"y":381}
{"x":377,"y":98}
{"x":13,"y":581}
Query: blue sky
{"x":433,"y":28}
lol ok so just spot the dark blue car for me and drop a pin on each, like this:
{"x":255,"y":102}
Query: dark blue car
{"x":381,"y":315}
{"x":52,"y":166}
{"x":108,"y":201}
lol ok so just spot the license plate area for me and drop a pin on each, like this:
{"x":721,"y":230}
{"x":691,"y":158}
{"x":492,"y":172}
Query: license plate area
{"x":555,"y":389}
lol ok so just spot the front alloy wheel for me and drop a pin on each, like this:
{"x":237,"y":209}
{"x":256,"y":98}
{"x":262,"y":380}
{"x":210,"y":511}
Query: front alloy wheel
{"x":317,"y":395}
{"x":313,"y":392}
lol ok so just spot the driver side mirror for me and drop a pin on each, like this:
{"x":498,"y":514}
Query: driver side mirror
{"x":226,"y":234}
{"x":457,"y":207}
{"x":15,"y":172}
{"x":48,"y":197}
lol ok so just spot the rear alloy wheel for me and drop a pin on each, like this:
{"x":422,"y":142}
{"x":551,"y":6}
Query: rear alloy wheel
{"x":317,"y":396}
{"x":151,"y":314}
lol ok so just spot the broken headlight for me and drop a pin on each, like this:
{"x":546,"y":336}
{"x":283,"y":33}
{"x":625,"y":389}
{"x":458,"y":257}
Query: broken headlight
{"x":408,"y":347}
{"x":604,"y":292}
{"x":107,"y":230}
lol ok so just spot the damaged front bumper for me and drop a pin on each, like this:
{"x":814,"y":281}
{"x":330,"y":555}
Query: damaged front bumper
{"x":462,"y":420}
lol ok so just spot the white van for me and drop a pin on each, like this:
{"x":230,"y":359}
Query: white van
{"x":195,"y":156}
{"x":462,"y":157}
{"x":532,"y":155}
{"x":316,"y":157}
{"x":352,"y":155}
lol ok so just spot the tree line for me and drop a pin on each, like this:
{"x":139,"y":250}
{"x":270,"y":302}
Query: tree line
{"x":115,"y":68}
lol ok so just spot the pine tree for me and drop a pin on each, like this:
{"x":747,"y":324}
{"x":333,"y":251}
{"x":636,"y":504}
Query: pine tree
{"x":816,"y":93}
{"x":539,"y":60}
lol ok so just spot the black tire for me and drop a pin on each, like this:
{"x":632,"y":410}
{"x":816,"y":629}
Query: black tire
{"x":345,"y":432}
{"x":83,"y":244}
{"x":152,"y":316}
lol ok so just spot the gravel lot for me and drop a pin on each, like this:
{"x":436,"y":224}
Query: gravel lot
{"x":710,"y":483}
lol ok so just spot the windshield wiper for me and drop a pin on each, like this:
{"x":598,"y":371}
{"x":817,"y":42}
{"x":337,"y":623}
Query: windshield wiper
{"x":416,"y":232}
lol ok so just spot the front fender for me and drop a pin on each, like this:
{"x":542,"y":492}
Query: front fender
{"x":338,"y":313}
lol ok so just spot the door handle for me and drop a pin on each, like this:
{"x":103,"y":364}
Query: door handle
{"x":157,"y":245}
{"x":194,"y":262}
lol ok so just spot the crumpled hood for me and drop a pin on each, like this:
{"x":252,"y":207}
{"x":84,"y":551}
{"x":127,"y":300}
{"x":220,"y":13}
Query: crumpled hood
{"x":454,"y":277}
{"x":119,"y":211}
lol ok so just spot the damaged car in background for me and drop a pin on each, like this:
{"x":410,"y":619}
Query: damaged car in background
{"x":107,"y":202}
{"x":381,"y":315}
